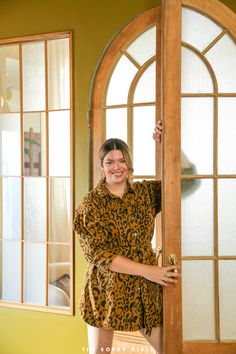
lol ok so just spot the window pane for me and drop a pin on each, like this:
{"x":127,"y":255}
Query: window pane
{"x":59,"y":143}
{"x":35,"y":273}
{"x":35,"y":208}
{"x":116,"y":123}
{"x":198,"y":30}
{"x":198,"y":237}
{"x":227,"y":282}
{"x":198,"y":300}
{"x":144,"y":47}
{"x":222,"y":57}
{"x":11,"y":208}
{"x":33,"y":76}
{"x":226,"y":136}
{"x":120,"y":82}
{"x":146,"y":88}
{"x":226,"y":214}
{"x":9,"y":79}
{"x":34,"y":144}
{"x":10,"y":149}
{"x":195,"y":76}
{"x":143,"y":144}
{"x":197,"y":133}
{"x":59,"y":209}
{"x":58,"y":74}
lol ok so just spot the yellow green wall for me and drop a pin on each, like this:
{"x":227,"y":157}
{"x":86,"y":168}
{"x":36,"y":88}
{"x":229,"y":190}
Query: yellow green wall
{"x":93,"y":23}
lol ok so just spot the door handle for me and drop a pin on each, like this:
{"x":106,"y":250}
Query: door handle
{"x":173,"y":260}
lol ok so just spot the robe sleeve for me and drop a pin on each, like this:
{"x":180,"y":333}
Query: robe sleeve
{"x":154,"y":190}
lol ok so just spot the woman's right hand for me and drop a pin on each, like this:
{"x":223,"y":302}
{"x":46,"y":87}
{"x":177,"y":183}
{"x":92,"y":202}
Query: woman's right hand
{"x":164,"y":276}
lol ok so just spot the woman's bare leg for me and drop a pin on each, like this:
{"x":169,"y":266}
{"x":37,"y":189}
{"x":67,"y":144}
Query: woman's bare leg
{"x":155,"y":339}
{"x":99,"y":340}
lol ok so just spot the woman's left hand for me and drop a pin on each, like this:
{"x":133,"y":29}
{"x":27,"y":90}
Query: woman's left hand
{"x":157,"y":134}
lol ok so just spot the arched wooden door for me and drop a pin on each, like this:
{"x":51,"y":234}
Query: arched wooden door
{"x":181,"y":68}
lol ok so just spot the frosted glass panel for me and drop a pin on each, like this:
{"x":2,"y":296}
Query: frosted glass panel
{"x":10,"y":158}
{"x":116,"y":123}
{"x":11,"y":266}
{"x":33,"y":76}
{"x":197,"y":133}
{"x":223,"y":60}
{"x":144,"y":47}
{"x":35,"y":273}
{"x":120,"y":81}
{"x":146,"y":88}
{"x":60,"y":213}
{"x":227,"y":287}
{"x":35,"y":208}
{"x":143,"y":144}
{"x":226,"y":136}
{"x":59,"y":143}
{"x":11,"y":208}
{"x":9,"y":79}
{"x":198,"y":222}
{"x":195,"y":76}
{"x":198,"y":300}
{"x":198,"y":30}
{"x":226,"y":215}
{"x":58,"y":74}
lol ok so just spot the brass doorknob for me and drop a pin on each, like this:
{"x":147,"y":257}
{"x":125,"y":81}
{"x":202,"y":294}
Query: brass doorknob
{"x":173,"y":260}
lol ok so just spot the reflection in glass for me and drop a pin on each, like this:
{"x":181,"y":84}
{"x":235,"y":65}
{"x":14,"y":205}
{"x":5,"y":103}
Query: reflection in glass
{"x":116,"y":123}
{"x":226,"y":136}
{"x":11,"y":270}
{"x":197,"y":29}
{"x":198,"y":300}
{"x":9,"y":79}
{"x":58,"y":74}
{"x":59,"y":209}
{"x":35,"y":273}
{"x":226,"y":215}
{"x":195,"y":76}
{"x":144,"y":47}
{"x":227,"y":286}
{"x":59,"y":143}
{"x":222,"y":57}
{"x":11,"y":208}
{"x":120,"y":82}
{"x":143,"y":146}
{"x":33,"y":62}
{"x":197,"y":143}
{"x":35,"y":208}
{"x":146,"y":88}
{"x":34,"y":144}
{"x":10,"y":157}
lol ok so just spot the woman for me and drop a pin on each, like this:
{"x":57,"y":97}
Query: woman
{"x":115,"y":222}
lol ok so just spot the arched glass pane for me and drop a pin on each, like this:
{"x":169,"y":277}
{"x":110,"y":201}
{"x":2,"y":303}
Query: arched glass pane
{"x":198,"y":30}
{"x":222,"y":57}
{"x":120,"y":82}
{"x":116,"y":123}
{"x":195,"y":76}
{"x":146,"y":88}
{"x":144,"y":47}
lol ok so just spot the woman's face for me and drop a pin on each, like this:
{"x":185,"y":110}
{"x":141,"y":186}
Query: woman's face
{"x":115,"y":168}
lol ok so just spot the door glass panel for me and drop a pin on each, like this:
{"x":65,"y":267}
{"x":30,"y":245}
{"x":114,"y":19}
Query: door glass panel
{"x":9,"y":79}
{"x":227,"y":219}
{"x":227,"y":284}
{"x":144,"y":47}
{"x":143,"y":145}
{"x":222,"y":57}
{"x":116,"y":123}
{"x":197,"y":112}
{"x":195,"y":76}
{"x":120,"y":82}
{"x":146,"y":88}
{"x":226,"y":136}
{"x":198,"y":300}
{"x":33,"y":76}
{"x":198,"y":30}
{"x":198,"y":222}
